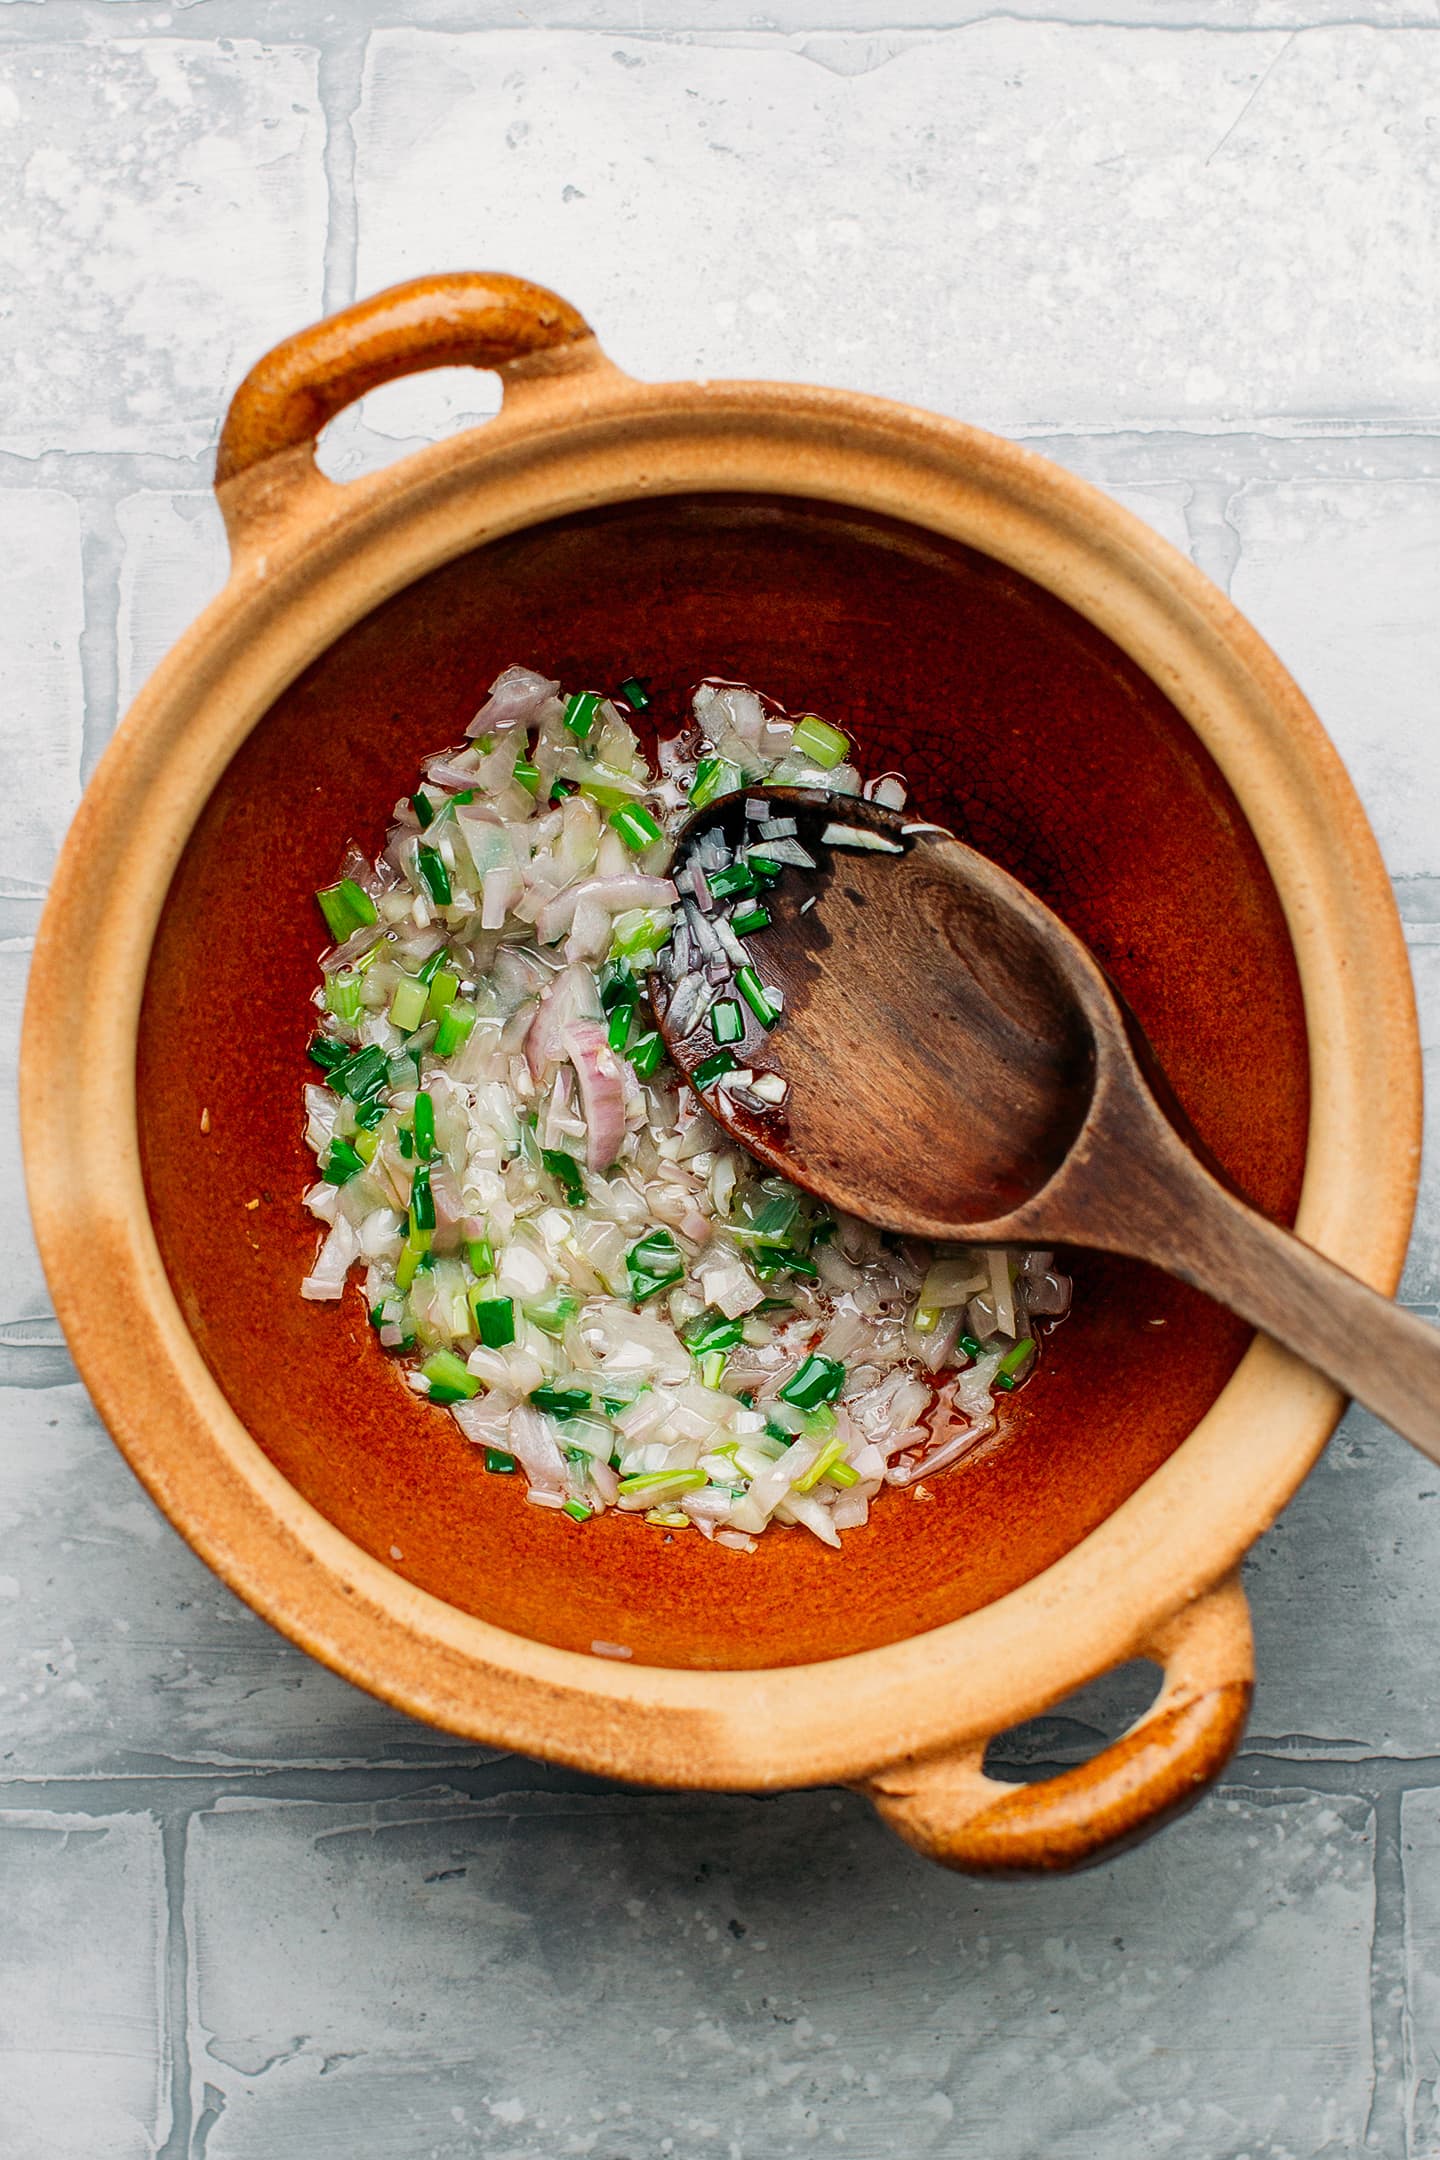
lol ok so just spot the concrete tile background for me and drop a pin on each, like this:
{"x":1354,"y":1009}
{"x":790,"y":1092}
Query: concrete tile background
{"x":250,"y":1914}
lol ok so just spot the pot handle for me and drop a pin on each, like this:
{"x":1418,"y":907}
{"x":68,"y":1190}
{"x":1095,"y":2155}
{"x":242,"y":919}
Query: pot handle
{"x":465,"y":318}
{"x":947,"y":1808}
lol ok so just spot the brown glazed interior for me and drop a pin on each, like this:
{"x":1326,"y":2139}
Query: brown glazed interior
{"x":1017,"y":723}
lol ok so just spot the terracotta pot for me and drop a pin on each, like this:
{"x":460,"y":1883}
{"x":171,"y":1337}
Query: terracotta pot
{"x":1057,"y":682}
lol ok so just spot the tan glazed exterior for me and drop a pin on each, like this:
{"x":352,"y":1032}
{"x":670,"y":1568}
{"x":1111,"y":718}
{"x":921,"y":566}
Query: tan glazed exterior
{"x":907,"y":1722}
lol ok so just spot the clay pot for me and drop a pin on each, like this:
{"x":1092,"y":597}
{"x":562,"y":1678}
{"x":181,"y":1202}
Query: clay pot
{"x":1060,"y":686}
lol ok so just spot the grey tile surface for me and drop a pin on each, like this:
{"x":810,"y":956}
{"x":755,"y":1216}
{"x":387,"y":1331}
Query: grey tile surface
{"x":246,"y":1913}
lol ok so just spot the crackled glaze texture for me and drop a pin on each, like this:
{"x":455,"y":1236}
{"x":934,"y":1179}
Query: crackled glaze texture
{"x":1018,"y":724}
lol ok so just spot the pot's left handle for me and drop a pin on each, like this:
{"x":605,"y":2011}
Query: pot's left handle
{"x":265,"y":470}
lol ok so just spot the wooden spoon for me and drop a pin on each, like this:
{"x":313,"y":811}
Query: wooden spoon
{"x":959,"y":1069}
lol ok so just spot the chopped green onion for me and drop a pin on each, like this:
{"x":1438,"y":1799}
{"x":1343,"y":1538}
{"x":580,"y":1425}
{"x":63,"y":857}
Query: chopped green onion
{"x":366,"y":1144}
{"x":654,"y":1264}
{"x":406,"y":1139}
{"x":1015,"y":1361}
{"x":843,"y":1474}
{"x":735,"y":878}
{"x":407,"y":1006}
{"x":443,"y":987}
{"x":559,"y":789}
{"x":494,"y":1318}
{"x":926,"y":1319}
{"x":746,"y":921}
{"x":566,"y":1173}
{"x":342,"y":995}
{"x":748,"y":983}
{"x":481,"y":1256}
{"x":424,"y":1125}
{"x":971,"y":1345}
{"x":527,"y":776}
{"x":622,"y":1019}
{"x":422,"y":1200}
{"x":712,"y":1331}
{"x":347,"y":907}
{"x":772,"y":1260}
{"x":780,"y":1221}
{"x":407,"y":1267}
{"x":829,"y":1455}
{"x":429,"y":969}
{"x":727,"y":1022}
{"x":636,"y":696}
{"x":362,"y":1074}
{"x":403,"y":1071}
{"x":433,"y":874}
{"x":764,"y":866}
{"x":453,"y":1033}
{"x":424,"y":810}
{"x":655,"y":1481}
{"x":712,"y":1368}
{"x":617,"y":985}
{"x":638,"y":932}
{"x":713,"y":777}
{"x":499,"y":1462}
{"x":326,"y":1052}
{"x":709,"y":1070}
{"x":817,"y":740}
{"x":341,"y":1163}
{"x":449,"y":1379}
{"x":647,"y":1053}
{"x":561,"y":1402}
{"x":819,"y":1380}
{"x":576,"y":1510}
{"x":552,"y":1313}
{"x":580,"y":712}
{"x":635,"y":826}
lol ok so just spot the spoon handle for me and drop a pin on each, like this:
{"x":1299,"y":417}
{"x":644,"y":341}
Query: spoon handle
{"x":1385,"y":1357}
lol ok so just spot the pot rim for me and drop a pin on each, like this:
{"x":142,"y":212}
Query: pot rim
{"x":309,"y":559}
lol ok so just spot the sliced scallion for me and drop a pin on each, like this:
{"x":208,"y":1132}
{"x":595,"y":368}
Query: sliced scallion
{"x":727,"y":1022}
{"x":748,"y":983}
{"x":449,"y":1379}
{"x":580,"y":711}
{"x":566,"y":1173}
{"x":342,"y":995}
{"x":647,"y":1053}
{"x":424,"y":1125}
{"x":527,"y":776}
{"x":347,"y":907}
{"x":711,"y":1069}
{"x":498,"y":1462}
{"x":636,"y":696}
{"x":422,"y":1200}
{"x":747,"y":920}
{"x":819,"y":1380}
{"x":561,"y":1402}
{"x":434,"y":876}
{"x":456,"y":1023}
{"x":341,"y":1163}
{"x":817,"y":740}
{"x":635,"y":826}
{"x":713,"y":777}
{"x":407,"y":1004}
{"x":494,"y":1318}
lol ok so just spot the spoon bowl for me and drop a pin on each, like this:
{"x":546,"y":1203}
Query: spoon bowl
{"x":957,"y":1068}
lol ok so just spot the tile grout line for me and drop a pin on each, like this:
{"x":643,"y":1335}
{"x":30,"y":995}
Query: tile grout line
{"x":1385,"y":2129}
{"x":340,"y":84}
{"x":174,"y":1834}
{"x":173,"y":1800}
{"x":101,"y":552}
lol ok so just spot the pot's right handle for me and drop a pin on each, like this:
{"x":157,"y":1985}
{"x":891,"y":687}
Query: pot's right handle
{"x":265,"y":470}
{"x":948,"y":1808}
